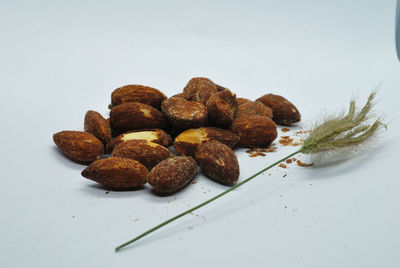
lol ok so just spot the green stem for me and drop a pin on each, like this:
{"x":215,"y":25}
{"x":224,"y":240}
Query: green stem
{"x":204,"y":203}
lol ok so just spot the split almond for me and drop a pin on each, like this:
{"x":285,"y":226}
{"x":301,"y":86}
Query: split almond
{"x":79,"y":146}
{"x":146,"y":152}
{"x":184,"y":114}
{"x":98,"y":126}
{"x":254,"y":131}
{"x":284,"y":112}
{"x":117,"y":173}
{"x":172,"y":174}
{"x":137,"y":93}
{"x":153,"y":135}
{"x":218,"y":162}
{"x":221,"y":108}
{"x":199,"y":89}
{"x":135,"y":115}
{"x":187,"y":142}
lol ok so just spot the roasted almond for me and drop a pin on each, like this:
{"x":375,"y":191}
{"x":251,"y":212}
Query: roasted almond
{"x":98,"y":126}
{"x":253,"y":108}
{"x":172,"y":174}
{"x":254,"y":131}
{"x":135,"y":115}
{"x":220,"y":88}
{"x":221,"y":108}
{"x":218,"y":162}
{"x":241,"y":101}
{"x":137,"y":93}
{"x":79,"y":146}
{"x":117,"y":173}
{"x":146,"y":152}
{"x":285,"y":113}
{"x":187,"y":142}
{"x":199,"y":89}
{"x":184,"y":114}
{"x":154,"y":135}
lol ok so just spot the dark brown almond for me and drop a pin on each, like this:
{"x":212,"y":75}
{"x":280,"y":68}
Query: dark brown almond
{"x":253,"y":108}
{"x":187,"y":142}
{"x":220,"y":88}
{"x":154,"y":135}
{"x":172,"y":174}
{"x":98,"y":126}
{"x":137,"y":93}
{"x":184,"y":114}
{"x":146,"y":152}
{"x":135,"y":115}
{"x":241,"y":101}
{"x":254,"y":131}
{"x":79,"y":146}
{"x":117,"y":173}
{"x":199,"y":89}
{"x":221,"y":108}
{"x":285,"y":113}
{"x":218,"y":162}
{"x":179,"y":95}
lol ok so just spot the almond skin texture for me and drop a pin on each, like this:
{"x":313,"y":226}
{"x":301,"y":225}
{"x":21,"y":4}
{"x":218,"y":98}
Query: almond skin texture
{"x":253,"y":108}
{"x":137,"y":93}
{"x":154,"y":135}
{"x":254,"y":131}
{"x":172,"y":174}
{"x":221,"y":108}
{"x":285,"y":113}
{"x":98,"y":126}
{"x":146,"y":152}
{"x":241,"y":101}
{"x":220,"y":88}
{"x":199,"y":89}
{"x":135,"y":115}
{"x":187,"y":142}
{"x":218,"y":162}
{"x":184,"y":114}
{"x":79,"y":146}
{"x":117,"y":173}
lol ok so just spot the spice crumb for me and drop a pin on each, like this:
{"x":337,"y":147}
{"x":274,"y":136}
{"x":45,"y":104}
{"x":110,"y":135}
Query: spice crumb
{"x":285,"y":129}
{"x":282,"y":165}
{"x":301,"y":164}
{"x":194,"y":182}
{"x":284,"y":175}
{"x":107,"y":192}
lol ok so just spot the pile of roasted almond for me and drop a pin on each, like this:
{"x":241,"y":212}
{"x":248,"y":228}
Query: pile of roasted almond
{"x":203,"y":123}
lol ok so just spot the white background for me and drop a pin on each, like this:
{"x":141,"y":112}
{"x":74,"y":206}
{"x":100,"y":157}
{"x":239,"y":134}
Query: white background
{"x":60,"y":58}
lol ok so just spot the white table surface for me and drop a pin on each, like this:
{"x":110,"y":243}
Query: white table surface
{"x":59,"y":59}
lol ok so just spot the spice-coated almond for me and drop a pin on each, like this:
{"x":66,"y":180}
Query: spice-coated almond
{"x":285,"y":113}
{"x":254,"y":131}
{"x":137,"y":93}
{"x":172,"y":174}
{"x":184,"y":114}
{"x":79,"y":146}
{"x":146,"y":152}
{"x":220,"y":88}
{"x":199,"y":89}
{"x":218,"y":162}
{"x":117,"y":173}
{"x":221,"y":108}
{"x":187,"y":142}
{"x":135,"y":115}
{"x":98,"y":126}
{"x":154,"y":135}
{"x":253,"y":108}
{"x":241,"y":101}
